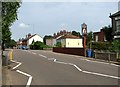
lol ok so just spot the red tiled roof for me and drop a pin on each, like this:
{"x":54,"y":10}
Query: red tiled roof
{"x":69,"y":36}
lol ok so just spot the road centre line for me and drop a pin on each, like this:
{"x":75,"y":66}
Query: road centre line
{"x":51,"y":59}
{"x":88,"y":71}
{"x":42,"y":56}
{"x":34,"y":53}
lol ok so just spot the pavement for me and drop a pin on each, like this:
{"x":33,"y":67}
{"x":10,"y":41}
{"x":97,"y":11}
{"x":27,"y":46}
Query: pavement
{"x":39,"y":67}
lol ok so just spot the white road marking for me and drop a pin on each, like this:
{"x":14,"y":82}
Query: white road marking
{"x":42,"y":56}
{"x":34,"y":53}
{"x":30,"y":77}
{"x":54,"y":60}
{"x":51,"y":59}
{"x":101,"y":75}
{"x":23,"y":73}
{"x":60,"y":62}
{"x":115,"y":65}
{"x":77,"y":67}
{"x":17,"y":66}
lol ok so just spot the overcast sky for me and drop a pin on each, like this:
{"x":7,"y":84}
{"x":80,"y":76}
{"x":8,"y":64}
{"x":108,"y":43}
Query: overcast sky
{"x":46,"y":18}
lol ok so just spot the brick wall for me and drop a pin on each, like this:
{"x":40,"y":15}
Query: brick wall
{"x":73,"y":51}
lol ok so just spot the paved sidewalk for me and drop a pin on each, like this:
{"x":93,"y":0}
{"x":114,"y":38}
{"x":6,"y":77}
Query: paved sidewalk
{"x":5,"y":71}
{"x":10,"y":77}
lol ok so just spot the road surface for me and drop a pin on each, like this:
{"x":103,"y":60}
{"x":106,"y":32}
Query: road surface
{"x":49,"y":68}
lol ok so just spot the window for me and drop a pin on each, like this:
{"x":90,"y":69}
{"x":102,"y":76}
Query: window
{"x":118,"y":26}
{"x":96,"y":38}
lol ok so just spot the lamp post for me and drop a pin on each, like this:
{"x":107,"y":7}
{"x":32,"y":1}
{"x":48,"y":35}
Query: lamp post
{"x":32,"y":27}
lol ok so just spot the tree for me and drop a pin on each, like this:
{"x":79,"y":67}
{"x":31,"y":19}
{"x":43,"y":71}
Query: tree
{"x":9,"y":15}
{"x":11,"y":44}
{"x":108,"y":33}
{"x":76,"y":33}
{"x":89,"y":37}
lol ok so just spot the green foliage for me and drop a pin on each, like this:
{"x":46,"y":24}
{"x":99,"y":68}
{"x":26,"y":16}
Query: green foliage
{"x":38,"y":45}
{"x":46,"y":37}
{"x":101,"y":45}
{"x":89,"y":37}
{"x":11,"y":44}
{"x":9,"y":15}
{"x":116,"y":46}
{"x":76,"y":33}
{"x":108,"y":33}
{"x":58,"y":44}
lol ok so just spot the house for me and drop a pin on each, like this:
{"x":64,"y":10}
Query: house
{"x":99,"y":36}
{"x":70,"y":41}
{"x":19,"y":44}
{"x":115,"y":18}
{"x":49,"y":42}
{"x":29,"y":39}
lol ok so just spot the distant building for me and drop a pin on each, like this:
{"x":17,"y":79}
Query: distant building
{"x":99,"y":36}
{"x":70,"y":41}
{"x":28,"y":40}
{"x":49,"y":42}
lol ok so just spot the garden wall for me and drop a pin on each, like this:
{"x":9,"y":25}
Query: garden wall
{"x":73,"y":51}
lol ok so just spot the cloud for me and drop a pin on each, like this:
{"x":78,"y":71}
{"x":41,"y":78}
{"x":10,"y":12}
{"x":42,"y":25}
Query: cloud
{"x":22,"y":25}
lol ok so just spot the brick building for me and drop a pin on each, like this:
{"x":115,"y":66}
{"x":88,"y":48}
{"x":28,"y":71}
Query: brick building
{"x":99,"y":36}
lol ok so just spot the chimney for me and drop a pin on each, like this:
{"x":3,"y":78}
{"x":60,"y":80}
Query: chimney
{"x":29,"y":35}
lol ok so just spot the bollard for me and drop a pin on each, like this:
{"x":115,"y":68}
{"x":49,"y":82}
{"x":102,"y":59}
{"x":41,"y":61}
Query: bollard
{"x":10,"y":55}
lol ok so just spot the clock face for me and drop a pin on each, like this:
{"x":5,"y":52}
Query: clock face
{"x":84,"y":31}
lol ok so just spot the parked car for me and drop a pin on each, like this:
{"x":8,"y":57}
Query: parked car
{"x":24,"y":47}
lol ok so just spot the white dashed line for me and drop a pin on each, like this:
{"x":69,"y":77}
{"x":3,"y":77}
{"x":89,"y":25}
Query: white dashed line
{"x":34,"y":53}
{"x":42,"y":56}
{"x":51,"y":59}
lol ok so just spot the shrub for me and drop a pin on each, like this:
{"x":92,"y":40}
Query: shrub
{"x":101,"y":45}
{"x":58,"y":44}
{"x":38,"y":46}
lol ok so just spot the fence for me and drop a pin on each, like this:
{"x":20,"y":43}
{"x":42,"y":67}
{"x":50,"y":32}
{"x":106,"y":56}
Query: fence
{"x":73,"y":51}
{"x":110,"y":56}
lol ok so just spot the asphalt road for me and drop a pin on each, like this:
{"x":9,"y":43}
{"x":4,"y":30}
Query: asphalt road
{"x":49,"y":68}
